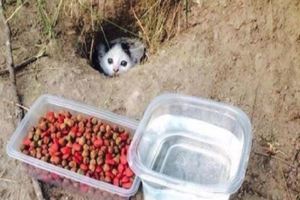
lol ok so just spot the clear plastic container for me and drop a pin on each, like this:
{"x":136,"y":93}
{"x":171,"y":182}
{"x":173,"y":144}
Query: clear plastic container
{"x":190,"y":148}
{"x":62,"y":177}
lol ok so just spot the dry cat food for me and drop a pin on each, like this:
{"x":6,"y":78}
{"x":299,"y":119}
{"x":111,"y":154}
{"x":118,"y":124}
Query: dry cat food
{"x":85,"y":145}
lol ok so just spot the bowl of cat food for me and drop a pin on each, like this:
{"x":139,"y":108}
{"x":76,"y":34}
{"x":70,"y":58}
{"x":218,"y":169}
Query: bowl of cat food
{"x":77,"y":147}
{"x":190,"y":148}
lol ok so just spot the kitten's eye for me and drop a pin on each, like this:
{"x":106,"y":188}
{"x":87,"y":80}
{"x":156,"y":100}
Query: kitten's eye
{"x":124,"y":63}
{"x":110,"y":60}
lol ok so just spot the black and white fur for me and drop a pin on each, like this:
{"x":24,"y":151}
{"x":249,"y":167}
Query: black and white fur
{"x":119,"y":55}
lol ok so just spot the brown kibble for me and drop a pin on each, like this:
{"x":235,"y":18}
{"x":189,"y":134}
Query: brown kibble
{"x":117,"y":159}
{"x":70,"y":122}
{"x":62,"y":126}
{"x":92,"y":167}
{"x":93,"y":154}
{"x":82,"y":141}
{"x":107,"y":179}
{"x":45,"y":158}
{"x":53,"y":135}
{"x":72,"y":164}
{"x":88,"y":133}
{"x":86,"y":160}
{"x":93,"y":161}
{"x":85,"y":153}
{"x":38,"y":131}
{"x":115,"y":135}
{"x":100,"y":161}
{"x":99,"y":122}
{"x":96,"y":129}
{"x":107,"y":135}
{"x":79,"y":117}
{"x":36,"y":137}
{"x":114,"y":171}
{"x":62,"y":141}
{"x":102,"y":129}
{"x":86,"y":147}
{"x":94,"y":121}
{"x":68,"y":138}
{"x":43,"y":126}
{"x":89,"y":142}
{"x":52,"y":128}
{"x":44,"y":151}
{"x":46,"y":140}
{"x":38,"y":155}
{"x":39,"y":149}
{"x":88,"y":125}
{"x":55,"y":160}
{"x":80,"y":171}
{"x":40,"y":143}
{"x":111,"y":143}
{"x":33,"y":152}
{"x":81,"y":124}
{"x":99,"y":134}
{"x":103,"y":149}
{"x":64,"y":163}
{"x":110,"y":149}
{"x":118,"y":140}
{"x":106,"y":168}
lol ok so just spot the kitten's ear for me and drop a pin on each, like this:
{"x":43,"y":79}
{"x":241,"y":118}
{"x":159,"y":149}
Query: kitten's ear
{"x":126,"y":48}
{"x":101,"y":50}
{"x":137,"y":51}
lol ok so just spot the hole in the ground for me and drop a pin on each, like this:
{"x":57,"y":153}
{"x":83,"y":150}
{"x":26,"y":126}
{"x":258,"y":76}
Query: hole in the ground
{"x":154,"y":22}
{"x":123,"y":24}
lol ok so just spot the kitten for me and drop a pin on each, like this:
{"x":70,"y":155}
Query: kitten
{"x":119,"y":55}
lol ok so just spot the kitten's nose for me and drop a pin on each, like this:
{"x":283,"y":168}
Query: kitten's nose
{"x":116,"y":69}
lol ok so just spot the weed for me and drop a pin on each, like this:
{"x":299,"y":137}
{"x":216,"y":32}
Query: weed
{"x":48,"y":20}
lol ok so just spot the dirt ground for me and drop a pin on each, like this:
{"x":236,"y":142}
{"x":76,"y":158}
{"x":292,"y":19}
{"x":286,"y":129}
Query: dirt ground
{"x":245,"y":53}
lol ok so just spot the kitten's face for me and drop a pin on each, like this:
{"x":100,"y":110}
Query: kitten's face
{"x":115,"y":61}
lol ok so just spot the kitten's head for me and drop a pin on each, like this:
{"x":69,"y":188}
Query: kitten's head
{"x":116,"y":61}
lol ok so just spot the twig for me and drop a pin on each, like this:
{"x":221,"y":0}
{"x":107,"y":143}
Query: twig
{"x":93,"y":37}
{"x":12,"y":76}
{"x":104,"y":8}
{"x":23,"y":107}
{"x":15,"y":12}
{"x":151,"y":7}
{"x":275,"y":157}
{"x":141,"y":26}
{"x":104,"y":35}
{"x":19,"y":105}
{"x":56,"y":15}
{"x":26,"y":62}
{"x":10,"y":62}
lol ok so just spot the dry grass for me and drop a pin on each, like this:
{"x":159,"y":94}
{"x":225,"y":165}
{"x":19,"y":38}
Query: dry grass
{"x":49,"y":19}
{"x":155,"y":21}
{"x":162,"y":19}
